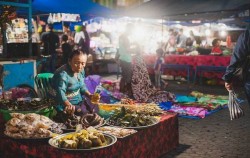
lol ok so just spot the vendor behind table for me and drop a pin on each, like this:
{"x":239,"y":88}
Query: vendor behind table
{"x":70,"y":90}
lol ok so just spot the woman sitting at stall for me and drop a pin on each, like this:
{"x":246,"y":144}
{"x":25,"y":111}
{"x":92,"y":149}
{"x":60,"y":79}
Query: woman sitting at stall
{"x":68,"y":82}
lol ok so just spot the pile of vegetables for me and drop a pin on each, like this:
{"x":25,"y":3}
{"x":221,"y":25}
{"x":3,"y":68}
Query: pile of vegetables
{"x":85,"y":139}
{"x":126,"y":117}
{"x":87,"y":120}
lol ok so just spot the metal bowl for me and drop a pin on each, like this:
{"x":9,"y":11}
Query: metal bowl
{"x":110,"y":141}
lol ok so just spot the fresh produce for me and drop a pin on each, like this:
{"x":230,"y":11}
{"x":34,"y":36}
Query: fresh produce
{"x":149,"y":109}
{"x":84,"y":139}
{"x":127,"y":101}
{"x":117,"y":131}
{"x":30,"y":126}
{"x":72,"y":121}
{"x":89,"y":119}
{"x":26,"y":105}
{"x":126,"y":117}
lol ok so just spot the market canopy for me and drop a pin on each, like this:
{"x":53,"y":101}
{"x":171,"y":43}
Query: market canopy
{"x":189,"y":9}
{"x":86,"y":8}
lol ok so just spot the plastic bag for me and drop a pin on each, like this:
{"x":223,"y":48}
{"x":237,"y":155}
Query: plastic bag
{"x":235,"y":109}
{"x":92,"y":82}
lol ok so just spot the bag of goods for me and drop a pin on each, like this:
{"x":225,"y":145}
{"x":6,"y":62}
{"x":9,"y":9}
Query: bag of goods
{"x":31,"y":125}
{"x":234,"y":107}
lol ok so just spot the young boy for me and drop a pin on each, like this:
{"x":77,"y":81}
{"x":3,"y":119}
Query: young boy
{"x":158,"y":67}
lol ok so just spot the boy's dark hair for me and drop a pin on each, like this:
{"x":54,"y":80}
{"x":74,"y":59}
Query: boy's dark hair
{"x":66,"y":25}
{"x":160,"y":51}
{"x":215,"y":41}
{"x":64,"y":38}
{"x":84,"y":27}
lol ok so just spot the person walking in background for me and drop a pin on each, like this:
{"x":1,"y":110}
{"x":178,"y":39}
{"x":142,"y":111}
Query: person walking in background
{"x":240,"y":54}
{"x":125,"y":61}
{"x":35,"y":34}
{"x":181,"y":39}
{"x":86,"y":43}
{"x":171,"y":43}
{"x":66,"y":49}
{"x":66,"y":31}
{"x":50,"y":42}
{"x":158,"y":67}
{"x":190,"y":42}
{"x":82,"y":39}
{"x":79,"y":37}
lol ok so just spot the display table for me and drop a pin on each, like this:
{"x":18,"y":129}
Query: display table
{"x":193,"y":61}
{"x":151,"y":142}
{"x":104,"y":66}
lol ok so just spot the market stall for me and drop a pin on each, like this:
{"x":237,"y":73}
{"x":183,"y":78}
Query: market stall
{"x":193,"y":61}
{"x":151,"y":142}
{"x":22,"y":33}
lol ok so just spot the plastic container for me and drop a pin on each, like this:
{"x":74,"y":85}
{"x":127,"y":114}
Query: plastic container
{"x":45,"y":112}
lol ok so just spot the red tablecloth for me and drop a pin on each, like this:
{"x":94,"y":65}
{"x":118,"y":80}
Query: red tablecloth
{"x":151,"y":142}
{"x":194,"y":61}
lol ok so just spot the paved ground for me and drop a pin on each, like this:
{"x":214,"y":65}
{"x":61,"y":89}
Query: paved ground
{"x":215,"y":136}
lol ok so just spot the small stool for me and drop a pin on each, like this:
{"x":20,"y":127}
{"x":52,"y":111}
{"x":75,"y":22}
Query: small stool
{"x":204,"y":68}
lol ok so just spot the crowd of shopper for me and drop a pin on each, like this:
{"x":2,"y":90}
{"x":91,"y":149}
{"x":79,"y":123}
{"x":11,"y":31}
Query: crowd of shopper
{"x":54,"y":44}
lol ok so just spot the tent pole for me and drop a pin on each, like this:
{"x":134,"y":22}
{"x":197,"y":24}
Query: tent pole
{"x":62,"y":26}
{"x":30,"y":27}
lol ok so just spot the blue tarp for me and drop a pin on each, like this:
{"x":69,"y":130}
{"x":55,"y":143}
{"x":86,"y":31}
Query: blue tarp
{"x":86,"y":8}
